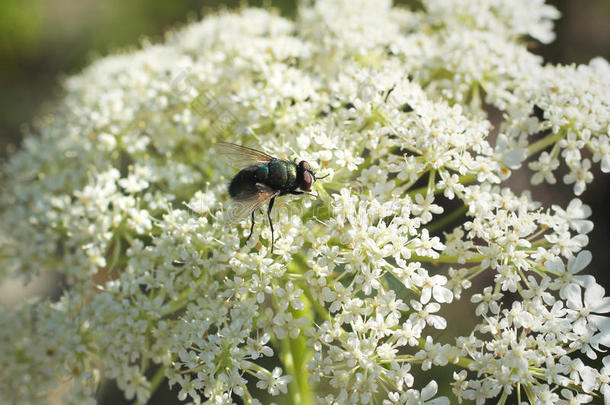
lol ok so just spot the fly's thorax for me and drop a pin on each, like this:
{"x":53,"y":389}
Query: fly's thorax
{"x":282,"y":175}
{"x":291,"y":172}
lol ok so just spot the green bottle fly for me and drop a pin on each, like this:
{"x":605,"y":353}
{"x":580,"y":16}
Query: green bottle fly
{"x":262,"y":178}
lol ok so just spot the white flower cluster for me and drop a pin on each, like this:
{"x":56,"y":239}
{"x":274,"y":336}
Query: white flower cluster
{"x":120,"y":192}
{"x":570,"y":106}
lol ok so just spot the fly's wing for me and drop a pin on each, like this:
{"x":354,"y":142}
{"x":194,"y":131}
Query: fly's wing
{"x":239,"y":208}
{"x":241,"y":156}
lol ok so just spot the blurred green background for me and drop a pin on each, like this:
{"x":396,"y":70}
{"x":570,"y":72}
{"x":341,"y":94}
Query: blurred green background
{"x":42,"y":41}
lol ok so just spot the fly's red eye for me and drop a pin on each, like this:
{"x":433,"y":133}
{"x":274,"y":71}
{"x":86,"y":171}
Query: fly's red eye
{"x":307,"y":181}
{"x":305,"y":165}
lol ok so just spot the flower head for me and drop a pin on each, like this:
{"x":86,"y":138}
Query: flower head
{"x":123,"y":195}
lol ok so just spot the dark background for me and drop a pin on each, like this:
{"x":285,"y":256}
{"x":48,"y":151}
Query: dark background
{"x":42,"y":41}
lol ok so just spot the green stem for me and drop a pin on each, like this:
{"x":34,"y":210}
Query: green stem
{"x":116,"y":252}
{"x":503,"y":398}
{"x":530,"y":394}
{"x":544,"y":143}
{"x":431,"y":178}
{"x":467,"y":178}
{"x":446,"y":259}
{"x":294,"y":352}
{"x":540,"y":242}
{"x":292,"y":356}
{"x":474,"y":271}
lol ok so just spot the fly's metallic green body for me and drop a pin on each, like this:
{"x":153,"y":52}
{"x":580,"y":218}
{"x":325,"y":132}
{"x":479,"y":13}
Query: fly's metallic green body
{"x":261,"y":179}
{"x":278,"y":174}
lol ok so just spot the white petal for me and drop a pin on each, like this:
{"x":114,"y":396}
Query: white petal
{"x":603,"y":324}
{"x":425,"y":295}
{"x":594,"y":295}
{"x":429,"y":390}
{"x":606,"y":164}
{"x":588,"y":376}
{"x":603,"y":306}
{"x":580,"y":262}
{"x":442,"y":294}
{"x":572,"y":295}
{"x":437,"y":322}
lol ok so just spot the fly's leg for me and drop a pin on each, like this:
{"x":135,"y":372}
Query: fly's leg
{"x":303,"y":192}
{"x":251,"y":227}
{"x":387,"y":95}
{"x":271,"y":222}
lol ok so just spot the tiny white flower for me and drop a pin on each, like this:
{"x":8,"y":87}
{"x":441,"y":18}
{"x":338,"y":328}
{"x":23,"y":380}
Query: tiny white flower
{"x":273,"y":382}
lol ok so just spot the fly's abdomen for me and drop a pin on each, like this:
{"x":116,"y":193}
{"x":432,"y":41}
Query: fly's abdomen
{"x":261,"y":173}
{"x":243,"y":184}
{"x":282,"y":175}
